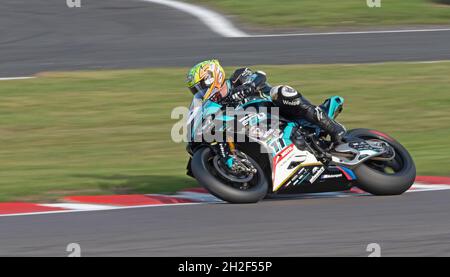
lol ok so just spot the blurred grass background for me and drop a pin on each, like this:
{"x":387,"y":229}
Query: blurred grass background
{"x":109,"y":131}
{"x":332,"y":13}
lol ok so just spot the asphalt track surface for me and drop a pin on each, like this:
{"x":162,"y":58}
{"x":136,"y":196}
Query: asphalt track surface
{"x":43,"y":35}
{"x":414,"y":224}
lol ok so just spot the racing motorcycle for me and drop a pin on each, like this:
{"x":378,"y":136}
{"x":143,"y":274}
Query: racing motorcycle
{"x":293,"y":157}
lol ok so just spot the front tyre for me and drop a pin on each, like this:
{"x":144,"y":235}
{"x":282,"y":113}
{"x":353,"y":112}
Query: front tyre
{"x":205,"y":171}
{"x":385,"y":177}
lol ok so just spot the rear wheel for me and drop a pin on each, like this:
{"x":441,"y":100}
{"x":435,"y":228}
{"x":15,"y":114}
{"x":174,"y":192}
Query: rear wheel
{"x":385,"y":177}
{"x":212,"y":174}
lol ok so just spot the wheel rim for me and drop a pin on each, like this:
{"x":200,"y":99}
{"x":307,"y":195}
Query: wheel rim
{"x":220,"y":172}
{"x":391,"y":167}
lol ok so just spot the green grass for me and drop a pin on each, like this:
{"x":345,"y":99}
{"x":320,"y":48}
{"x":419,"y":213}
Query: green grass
{"x":109,"y":131}
{"x":332,"y":13}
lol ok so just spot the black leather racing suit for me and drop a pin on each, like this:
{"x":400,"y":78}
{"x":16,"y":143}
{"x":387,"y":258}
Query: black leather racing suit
{"x":291,"y":102}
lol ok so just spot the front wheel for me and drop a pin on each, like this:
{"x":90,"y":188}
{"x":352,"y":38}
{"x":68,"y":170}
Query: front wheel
{"x":213,"y":176}
{"x":385,"y":177}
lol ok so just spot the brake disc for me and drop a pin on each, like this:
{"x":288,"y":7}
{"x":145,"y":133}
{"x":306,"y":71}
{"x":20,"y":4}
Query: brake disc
{"x":229,"y":174}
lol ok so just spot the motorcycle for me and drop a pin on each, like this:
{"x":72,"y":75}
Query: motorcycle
{"x":294,"y":156}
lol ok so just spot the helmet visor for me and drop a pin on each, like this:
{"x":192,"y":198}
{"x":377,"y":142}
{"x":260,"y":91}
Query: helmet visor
{"x":200,"y":87}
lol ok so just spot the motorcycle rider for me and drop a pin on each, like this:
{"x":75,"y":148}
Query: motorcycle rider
{"x":208,"y":78}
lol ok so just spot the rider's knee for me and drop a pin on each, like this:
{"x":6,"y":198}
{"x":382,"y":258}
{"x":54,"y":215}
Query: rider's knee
{"x":286,"y":96}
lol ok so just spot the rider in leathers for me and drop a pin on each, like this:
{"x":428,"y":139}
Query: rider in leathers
{"x":208,"y":78}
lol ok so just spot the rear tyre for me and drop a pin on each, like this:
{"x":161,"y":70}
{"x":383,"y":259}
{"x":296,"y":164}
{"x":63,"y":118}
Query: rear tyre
{"x":206,"y":174}
{"x":385,"y":178}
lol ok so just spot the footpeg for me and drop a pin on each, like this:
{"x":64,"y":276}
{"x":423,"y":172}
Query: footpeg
{"x":358,"y":151}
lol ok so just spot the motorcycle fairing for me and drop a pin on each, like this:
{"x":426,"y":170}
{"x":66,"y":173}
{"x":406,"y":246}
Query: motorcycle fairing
{"x":348,"y":173}
{"x":288,"y":162}
{"x":333,"y":106}
{"x":326,"y":179}
{"x":293,"y":170}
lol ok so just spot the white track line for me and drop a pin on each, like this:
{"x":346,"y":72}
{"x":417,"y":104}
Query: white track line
{"x":222,"y":26}
{"x":16,"y":78}
{"x":393,"y":62}
{"x":354,"y":33}
{"x":214,"y":21}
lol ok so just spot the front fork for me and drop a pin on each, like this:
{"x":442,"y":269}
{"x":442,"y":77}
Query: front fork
{"x":226,"y":151}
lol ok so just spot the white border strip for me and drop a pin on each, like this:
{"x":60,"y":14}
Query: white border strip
{"x":214,"y":21}
{"x":80,"y":206}
{"x":209,"y":199}
{"x":105,"y":209}
{"x":16,"y":78}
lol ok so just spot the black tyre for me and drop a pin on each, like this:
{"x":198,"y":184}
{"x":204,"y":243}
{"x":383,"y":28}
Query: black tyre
{"x":382,"y":177}
{"x":206,"y":174}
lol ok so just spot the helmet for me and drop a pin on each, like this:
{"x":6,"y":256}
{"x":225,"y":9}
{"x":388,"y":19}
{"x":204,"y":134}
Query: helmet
{"x":204,"y":77}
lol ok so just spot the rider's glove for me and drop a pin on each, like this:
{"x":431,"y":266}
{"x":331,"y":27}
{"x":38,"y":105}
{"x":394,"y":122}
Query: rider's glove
{"x":241,"y":92}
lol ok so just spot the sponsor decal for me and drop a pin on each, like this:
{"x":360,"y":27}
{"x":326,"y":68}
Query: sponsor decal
{"x":252,"y":119}
{"x":331,"y":176}
{"x":316,"y":171}
{"x":299,"y":180}
{"x":299,"y":174}
{"x":264,"y":135}
{"x":291,"y":102}
{"x":284,"y":153}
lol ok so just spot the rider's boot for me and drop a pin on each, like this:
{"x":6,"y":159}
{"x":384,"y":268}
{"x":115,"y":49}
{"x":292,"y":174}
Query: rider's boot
{"x":315,"y":115}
